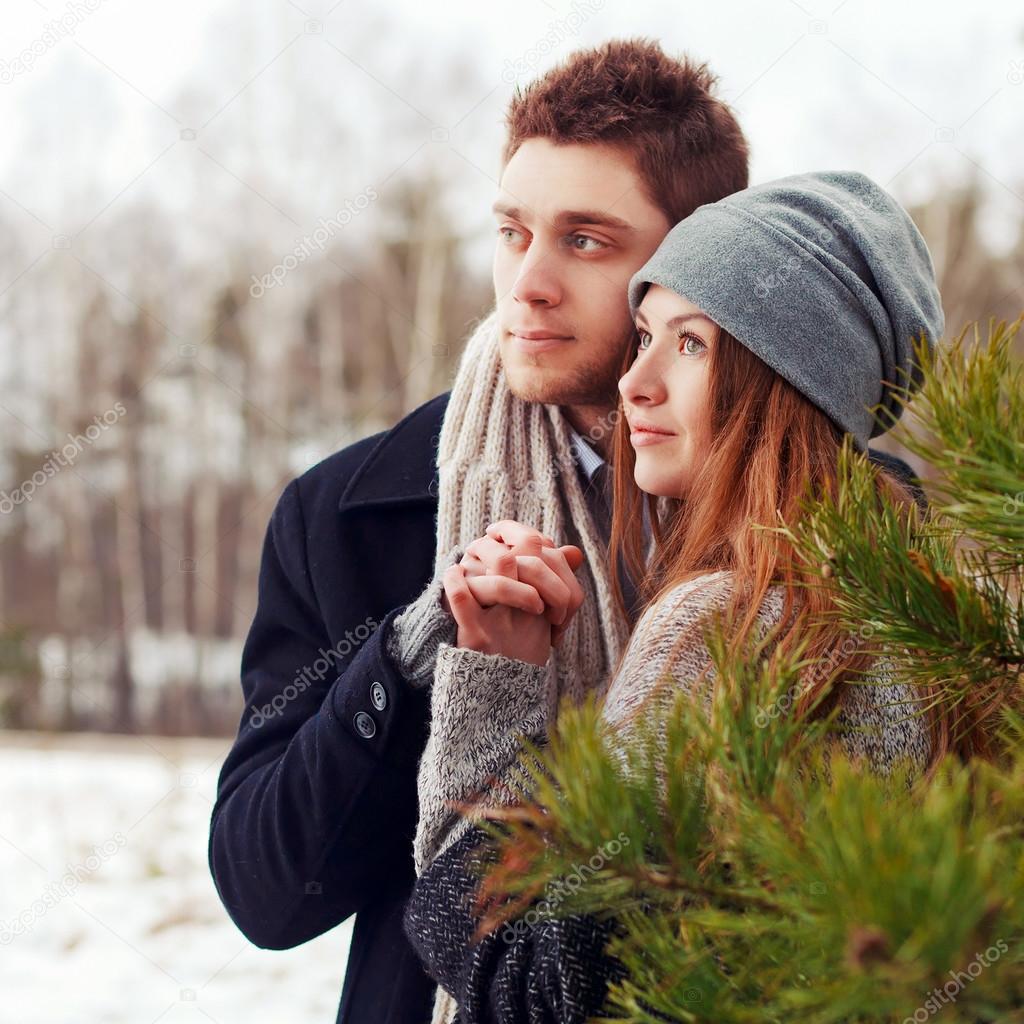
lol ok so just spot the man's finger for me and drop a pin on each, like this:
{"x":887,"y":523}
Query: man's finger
{"x":557,"y":559}
{"x":573,"y":555}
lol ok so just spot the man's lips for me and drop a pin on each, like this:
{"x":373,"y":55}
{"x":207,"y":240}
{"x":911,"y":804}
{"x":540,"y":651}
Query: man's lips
{"x":538,"y":339}
{"x":537,"y":335}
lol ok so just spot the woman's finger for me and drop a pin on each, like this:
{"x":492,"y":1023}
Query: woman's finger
{"x":514,"y":534}
{"x":496,"y":557}
{"x":464,"y":606}
{"x":492,"y":590}
{"x":554,"y":591}
{"x":472,"y":565}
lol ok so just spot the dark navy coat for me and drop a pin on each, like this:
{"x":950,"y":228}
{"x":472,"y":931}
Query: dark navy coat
{"x":316,"y":803}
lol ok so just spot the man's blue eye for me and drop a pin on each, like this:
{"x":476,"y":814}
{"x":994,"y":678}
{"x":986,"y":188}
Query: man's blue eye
{"x":573,"y":239}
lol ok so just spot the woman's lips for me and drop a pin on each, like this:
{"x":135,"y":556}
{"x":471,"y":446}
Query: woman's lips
{"x":640,"y":437}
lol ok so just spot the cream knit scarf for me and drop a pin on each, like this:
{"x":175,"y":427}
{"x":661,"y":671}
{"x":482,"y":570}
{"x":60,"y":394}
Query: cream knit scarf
{"x":500,"y":457}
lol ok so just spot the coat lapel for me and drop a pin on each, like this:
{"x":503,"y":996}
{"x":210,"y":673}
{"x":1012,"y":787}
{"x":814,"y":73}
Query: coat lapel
{"x":402,"y":467}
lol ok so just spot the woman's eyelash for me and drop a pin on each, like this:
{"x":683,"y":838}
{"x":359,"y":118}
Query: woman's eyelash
{"x":682,"y":336}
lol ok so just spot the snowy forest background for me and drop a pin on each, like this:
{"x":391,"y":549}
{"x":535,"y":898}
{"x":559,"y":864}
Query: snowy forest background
{"x":222,"y":259}
{"x":235,"y":238}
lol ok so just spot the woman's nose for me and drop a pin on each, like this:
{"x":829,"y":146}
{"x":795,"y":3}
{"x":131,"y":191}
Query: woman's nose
{"x":641,"y":384}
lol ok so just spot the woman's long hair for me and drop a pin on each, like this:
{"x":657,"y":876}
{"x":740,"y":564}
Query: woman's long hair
{"x":768,"y":445}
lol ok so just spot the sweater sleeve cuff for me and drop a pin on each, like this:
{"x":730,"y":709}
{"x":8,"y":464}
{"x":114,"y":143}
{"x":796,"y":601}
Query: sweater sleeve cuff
{"x":418,"y":631}
{"x":477,"y":696}
{"x":482,"y":706}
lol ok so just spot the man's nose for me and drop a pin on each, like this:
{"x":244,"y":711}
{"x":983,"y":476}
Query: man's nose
{"x":537,"y":281}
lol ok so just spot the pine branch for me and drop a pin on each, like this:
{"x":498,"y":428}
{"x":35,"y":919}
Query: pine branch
{"x":756,"y":873}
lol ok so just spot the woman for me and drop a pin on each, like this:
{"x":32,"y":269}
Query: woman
{"x":769,"y":325}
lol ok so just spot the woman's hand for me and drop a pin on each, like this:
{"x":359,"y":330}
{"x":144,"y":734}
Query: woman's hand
{"x":514,"y":592}
{"x":537,"y":557}
{"x":498,"y":615}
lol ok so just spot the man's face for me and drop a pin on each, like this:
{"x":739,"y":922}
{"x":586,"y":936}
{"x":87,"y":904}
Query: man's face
{"x":574,"y":225}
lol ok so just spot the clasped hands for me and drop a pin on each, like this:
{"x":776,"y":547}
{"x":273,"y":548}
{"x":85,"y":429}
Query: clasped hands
{"x":514,"y":592}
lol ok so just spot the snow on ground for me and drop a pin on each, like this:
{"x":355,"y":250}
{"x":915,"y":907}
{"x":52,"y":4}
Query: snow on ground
{"x":108,"y":914}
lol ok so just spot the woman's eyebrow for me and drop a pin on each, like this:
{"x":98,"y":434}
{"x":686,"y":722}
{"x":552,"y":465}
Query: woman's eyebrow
{"x":684,"y":318}
{"x":676,"y":321}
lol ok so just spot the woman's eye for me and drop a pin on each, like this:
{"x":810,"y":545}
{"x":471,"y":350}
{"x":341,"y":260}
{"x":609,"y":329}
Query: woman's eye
{"x":685,"y":338}
{"x":641,"y":335}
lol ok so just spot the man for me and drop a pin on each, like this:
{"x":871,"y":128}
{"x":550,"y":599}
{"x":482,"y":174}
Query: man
{"x":316,"y":808}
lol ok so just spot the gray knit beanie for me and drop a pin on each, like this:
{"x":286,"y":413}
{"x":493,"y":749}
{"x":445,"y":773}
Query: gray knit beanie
{"x":823,"y":276}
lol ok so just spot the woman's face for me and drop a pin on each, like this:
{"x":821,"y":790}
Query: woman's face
{"x":665,"y":392}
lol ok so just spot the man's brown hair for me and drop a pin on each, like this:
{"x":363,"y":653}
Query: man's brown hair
{"x":687,"y":145}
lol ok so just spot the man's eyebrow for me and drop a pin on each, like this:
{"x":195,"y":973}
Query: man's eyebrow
{"x":596,"y":217}
{"x":501,"y":209}
{"x":569,"y":217}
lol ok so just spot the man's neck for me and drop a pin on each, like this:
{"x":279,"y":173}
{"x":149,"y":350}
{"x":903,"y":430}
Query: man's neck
{"x":594,"y":424}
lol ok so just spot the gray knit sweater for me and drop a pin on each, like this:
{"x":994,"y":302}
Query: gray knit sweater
{"x":483,"y":704}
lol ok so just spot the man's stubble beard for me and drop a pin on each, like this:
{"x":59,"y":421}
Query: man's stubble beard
{"x":594,"y":383}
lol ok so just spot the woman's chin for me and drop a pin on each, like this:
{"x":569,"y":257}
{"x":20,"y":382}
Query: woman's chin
{"x":661,"y":485}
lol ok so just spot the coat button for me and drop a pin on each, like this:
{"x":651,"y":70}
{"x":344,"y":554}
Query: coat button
{"x":364,"y":724}
{"x":379,"y":696}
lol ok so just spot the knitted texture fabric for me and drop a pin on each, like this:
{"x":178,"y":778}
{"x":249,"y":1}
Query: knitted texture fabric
{"x":475,"y":731}
{"x":554,"y":971}
{"x":876,"y":720}
{"x":483,"y":705}
{"x":416,"y":634}
{"x":500,"y":457}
